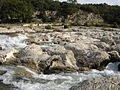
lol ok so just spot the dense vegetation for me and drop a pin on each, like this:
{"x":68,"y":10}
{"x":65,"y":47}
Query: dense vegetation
{"x":12,"y":11}
{"x":15,"y":11}
{"x":109,"y":13}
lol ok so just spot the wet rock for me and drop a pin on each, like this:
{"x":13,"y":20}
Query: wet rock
{"x":102,"y":45}
{"x":117,"y":38}
{"x":0,"y":47}
{"x":107,"y":39}
{"x":6,"y":87}
{"x":74,"y":48}
{"x":32,"y":56}
{"x":116,"y":48}
{"x":38,"y":39}
{"x":88,"y":55}
{"x":7,"y":55}
{"x":2,"y":72}
{"x":106,"y":83}
{"x":114,"y":56}
{"x":92,"y":59}
{"x":21,"y":72}
{"x":45,"y":60}
{"x":31,"y":50}
{"x":119,"y":67}
{"x":62,"y":58}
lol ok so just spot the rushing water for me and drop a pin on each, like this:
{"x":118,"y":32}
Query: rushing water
{"x":62,"y":81}
{"x":18,"y":41}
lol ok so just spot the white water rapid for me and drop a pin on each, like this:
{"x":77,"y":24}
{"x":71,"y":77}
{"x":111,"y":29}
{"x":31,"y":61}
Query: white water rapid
{"x":62,"y":81}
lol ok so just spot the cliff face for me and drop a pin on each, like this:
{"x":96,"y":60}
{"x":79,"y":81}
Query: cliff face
{"x":78,"y":18}
{"x":84,"y":18}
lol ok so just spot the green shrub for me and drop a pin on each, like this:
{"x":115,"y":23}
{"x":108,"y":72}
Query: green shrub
{"x":13,"y":11}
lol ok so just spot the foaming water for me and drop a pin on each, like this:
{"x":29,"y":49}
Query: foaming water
{"x":7,"y":41}
{"x":62,"y":81}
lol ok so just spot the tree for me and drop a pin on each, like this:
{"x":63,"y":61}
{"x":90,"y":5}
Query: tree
{"x":68,"y":9}
{"x":72,"y":1}
{"x":16,"y":11}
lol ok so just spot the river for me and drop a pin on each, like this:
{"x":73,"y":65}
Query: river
{"x":61,"y":81}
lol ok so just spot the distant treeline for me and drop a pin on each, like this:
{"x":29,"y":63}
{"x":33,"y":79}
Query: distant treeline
{"x":22,"y":10}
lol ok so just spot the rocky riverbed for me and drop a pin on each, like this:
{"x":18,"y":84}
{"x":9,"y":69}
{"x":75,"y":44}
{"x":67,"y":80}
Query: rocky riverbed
{"x":35,"y":58}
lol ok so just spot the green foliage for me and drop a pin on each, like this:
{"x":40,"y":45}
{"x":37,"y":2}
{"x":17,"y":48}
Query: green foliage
{"x":39,"y":5}
{"x":13,"y":11}
{"x":110,"y":14}
{"x":68,"y":9}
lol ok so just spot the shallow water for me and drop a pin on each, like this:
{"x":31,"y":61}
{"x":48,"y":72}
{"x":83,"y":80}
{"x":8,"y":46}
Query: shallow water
{"x":62,"y":81}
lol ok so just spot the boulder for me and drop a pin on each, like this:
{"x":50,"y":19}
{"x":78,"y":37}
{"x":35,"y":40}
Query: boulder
{"x":67,"y":56}
{"x":0,"y":47}
{"x":2,"y":72}
{"x":6,"y":87}
{"x":22,"y":72}
{"x":116,"y":48}
{"x":38,"y":39}
{"x":88,"y":55}
{"x":106,"y":83}
{"x":7,"y":55}
{"x":114,"y":55}
{"x":32,"y":56}
{"x":45,"y":60}
{"x":62,"y":59}
{"x":116,"y":37}
{"x":102,"y":45}
{"x":108,"y":39}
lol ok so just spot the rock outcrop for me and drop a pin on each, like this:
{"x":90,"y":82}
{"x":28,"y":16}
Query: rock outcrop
{"x":78,"y":18}
{"x":84,"y":18}
{"x":7,"y":55}
{"x":62,"y":59}
{"x":40,"y":60}
{"x":32,"y":56}
{"x":88,"y":55}
{"x":106,"y":83}
{"x":71,"y":49}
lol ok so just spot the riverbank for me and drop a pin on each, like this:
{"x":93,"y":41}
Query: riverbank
{"x":48,"y":52}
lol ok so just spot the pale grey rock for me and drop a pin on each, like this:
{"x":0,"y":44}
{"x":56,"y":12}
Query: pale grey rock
{"x":66,"y":57}
{"x":102,"y":45}
{"x":7,"y":55}
{"x":32,"y":56}
{"x":45,"y":60}
{"x":105,"y":83}
{"x":88,"y":55}
{"x":108,"y":39}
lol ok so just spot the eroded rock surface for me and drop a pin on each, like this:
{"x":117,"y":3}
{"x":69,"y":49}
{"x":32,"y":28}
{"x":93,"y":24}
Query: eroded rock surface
{"x":73,"y":48}
{"x":7,"y":55}
{"x":32,"y":56}
{"x":106,"y":83}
